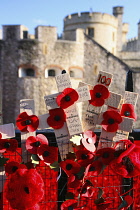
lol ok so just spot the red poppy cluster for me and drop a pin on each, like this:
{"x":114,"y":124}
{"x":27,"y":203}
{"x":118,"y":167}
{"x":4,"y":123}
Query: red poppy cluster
{"x":21,"y":188}
{"x":39,"y":145}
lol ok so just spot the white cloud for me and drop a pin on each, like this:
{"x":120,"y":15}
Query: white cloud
{"x":40,"y":21}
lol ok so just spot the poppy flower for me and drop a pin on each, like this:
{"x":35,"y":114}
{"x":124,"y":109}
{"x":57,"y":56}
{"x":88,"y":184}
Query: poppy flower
{"x":111,"y":120}
{"x":27,"y":123}
{"x":33,"y":142}
{"x":57,"y":118}
{"x":128,"y":110}
{"x":69,"y":204}
{"x":70,"y":167}
{"x":20,"y":190}
{"x":87,"y":190}
{"x":47,"y":153}
{"x":67,"y":98}
{"x":9,"y":145}
{"x":84,"y":157}
{"x":12,"y":166}
{"x":94,"y":169}
{"x":89,"y":140}
{"x":98,"y":95}
{"x":73,"y":181}
{"x":106,"y":155}
{"x":128,"y":163}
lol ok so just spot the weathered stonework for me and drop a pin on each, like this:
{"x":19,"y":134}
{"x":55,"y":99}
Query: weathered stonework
{"x":77,"y":53}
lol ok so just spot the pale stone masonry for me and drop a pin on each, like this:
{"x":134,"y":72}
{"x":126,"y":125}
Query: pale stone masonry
{"x":28,"y":63}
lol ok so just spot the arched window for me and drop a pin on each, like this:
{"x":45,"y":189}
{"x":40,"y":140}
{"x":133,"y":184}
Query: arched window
{"x":76,"y":72}
{"x":26,"y":72}
{"x":51,"y":73}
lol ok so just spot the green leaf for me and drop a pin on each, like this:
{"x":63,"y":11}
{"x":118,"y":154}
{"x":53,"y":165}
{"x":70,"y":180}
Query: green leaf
{"x":3,"y":161}
{"x":35,"y":159}
{"x":80,"y":174}
{"x":123,"y":204}
{"x":55,"y":166}
{"x":69,"y":196}
{"x":100,"y":193}
{"x":98,"y":201}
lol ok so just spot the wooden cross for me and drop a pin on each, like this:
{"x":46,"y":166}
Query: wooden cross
{"x":93,"y":112}
{"x":108,"y":139}
{"x":72,"y":125}
{"x":26,"y":105}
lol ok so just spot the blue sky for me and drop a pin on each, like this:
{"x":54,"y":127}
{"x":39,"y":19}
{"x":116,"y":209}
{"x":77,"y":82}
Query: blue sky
{"x":52,"y":12}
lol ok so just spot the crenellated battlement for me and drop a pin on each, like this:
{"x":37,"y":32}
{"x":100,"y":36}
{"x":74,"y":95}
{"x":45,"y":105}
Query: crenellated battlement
{"x":88,"y":17}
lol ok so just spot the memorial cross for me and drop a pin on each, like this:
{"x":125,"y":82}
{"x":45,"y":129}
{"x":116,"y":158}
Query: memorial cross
{"x":107,"y":138}
{"x":72,"y":125}
{"x":92,"y":114}
{"x":26,"y":105}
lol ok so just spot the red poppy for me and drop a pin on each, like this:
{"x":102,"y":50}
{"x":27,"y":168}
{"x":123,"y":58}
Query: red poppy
{"x":12,"y":166}
{"x":128,"y":163}
{"x":74,"y":182}
{"x":84,"y":157}
{"x":67,"y":98}
{"x":106,"y":155}
{"x":20,"y":189}
{"x":27,"y":123}
{"x":69,"y":204}
{"x":47,"y":153}
{"x":33,"y":142}
{"x":87,"y":190}
{"x":89,"y":140}
{"x":9,"y":145}
{"x":111,"y":121}
{"x":98,"y":95}
{"x":57,"y":118}
{"x":128,"y":110}
{"x":94,"y":169}
{"x":70,"y":167}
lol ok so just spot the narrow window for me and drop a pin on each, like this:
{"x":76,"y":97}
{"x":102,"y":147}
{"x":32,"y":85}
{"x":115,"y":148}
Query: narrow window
{"x":90,"y":32}
{"x":26,"y":72}
{"x":51,"y":73}
{"x":71,"y":73}
{"x":113,"y":36}
{"x":25,"y":34}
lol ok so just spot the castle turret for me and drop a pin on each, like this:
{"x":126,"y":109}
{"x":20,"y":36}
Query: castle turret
{"x":118,"y":13}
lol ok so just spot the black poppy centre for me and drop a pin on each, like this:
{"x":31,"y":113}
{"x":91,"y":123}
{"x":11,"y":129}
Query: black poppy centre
{"x":106,"y":155}
{"x":46,"y":154}
{"x":37,"y":143}
{"x":57,"y":118}
{"x":98,"y":95}
{"x":84,"y":156}
{"x":14,"y":168}
{"x":26,"y":189}
{"x":7,"y":145}
{"x":67,"y":98}
{"x":127,"y":113}
{"x":28,"y":122}
{"x":69,"y":167}
{"x":111,"y":121}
